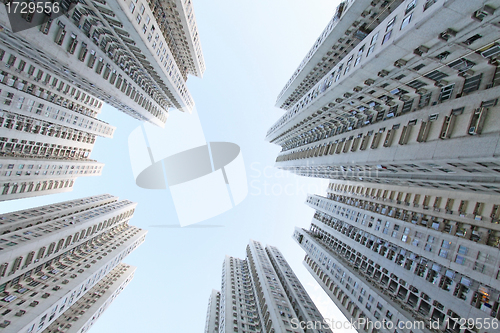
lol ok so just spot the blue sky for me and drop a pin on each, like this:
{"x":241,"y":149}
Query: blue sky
{"x":251,"y":48}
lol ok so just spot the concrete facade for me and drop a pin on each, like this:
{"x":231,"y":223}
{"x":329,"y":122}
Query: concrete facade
{"x":212,"y":322}
{"x":55,"y":77}
{"x":132,"y":55}
{"x":406,"y":254}
{"x":413,"y":103}
{"x":53,"y":256}
{"x":48,"y":128}
{"x":262,"y":294}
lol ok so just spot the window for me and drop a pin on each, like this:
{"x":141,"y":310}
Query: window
{"x":462,"y":249}
{"x":410,"y":6}
{"x":429,"y":3}
{"x":472,"y":84}
{"x":461,"y":65}
{"x":388,"y":314}
{"x":436,"y":75}
{"x":446,"y":244}
{"x":419,"y":67}
{"x":387,"y":37}
{"x":406,"y":21}
{"x":460,"y":260}
{"x":132,"y":7}
{"x":390,"y":25}
{"x":370,"y":50}
{"x":142,"y":9}
{"x":446,"y":92}
{"x":443,"y":253}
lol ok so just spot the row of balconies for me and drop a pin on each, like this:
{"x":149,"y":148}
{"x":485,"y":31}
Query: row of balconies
{"x":432,"y":275}
{"x":101,"y":39}
{"x":11,"y":80}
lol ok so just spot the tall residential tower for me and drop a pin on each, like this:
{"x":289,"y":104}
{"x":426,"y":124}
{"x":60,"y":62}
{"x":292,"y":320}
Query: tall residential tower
{"x":57,"y":74}
{"x":404,"y":92}
{"x":60,"y":264}
{"x":402,"y":254}
{"x":262,"y":294}
{"x":134,"y":55}
{"x":397,"y":103}
{"x":48,"y":128}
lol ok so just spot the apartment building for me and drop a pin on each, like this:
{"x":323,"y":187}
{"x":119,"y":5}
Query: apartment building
{"x":410,"y":101}
{"x":212,"y":322}
{"x":134,"y":55}
{"x":61,"y":263}
{"x":402,"y":254}
{"x":56,"y":75}
{"x":262,"y":294}
{"x":48,"y":128}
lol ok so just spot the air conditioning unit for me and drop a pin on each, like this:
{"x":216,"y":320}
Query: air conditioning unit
{"x":44,"y":28}
{"x":445,"y":35}
{"x":441,"y":83}
{"x":418,"y":52}
{"x":400,"y":63}
{"x":383,"y":73}
{"x":28,"y":16}
{"x":369,"y":82}
{"x":483,"y":12}
{"x":389,"y":138}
